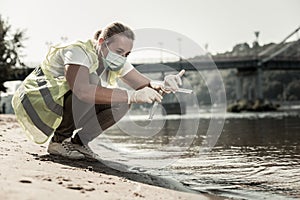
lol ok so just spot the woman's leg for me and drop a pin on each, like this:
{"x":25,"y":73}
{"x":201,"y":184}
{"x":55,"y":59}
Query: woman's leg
{"x":67,"y":126}
{"x":92,"y":119}
{"x":99,"y":119}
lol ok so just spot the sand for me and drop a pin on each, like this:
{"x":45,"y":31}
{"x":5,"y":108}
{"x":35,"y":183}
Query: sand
{"x":27,"y":171}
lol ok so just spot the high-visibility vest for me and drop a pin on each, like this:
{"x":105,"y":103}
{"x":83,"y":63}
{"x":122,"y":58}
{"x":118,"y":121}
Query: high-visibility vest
{"x":38,"y":102}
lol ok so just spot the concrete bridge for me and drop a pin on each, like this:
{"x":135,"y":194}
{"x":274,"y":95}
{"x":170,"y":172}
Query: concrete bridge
{"x":282,"y":56}
{"x":247,"y":67}
{"x":244,"y":63}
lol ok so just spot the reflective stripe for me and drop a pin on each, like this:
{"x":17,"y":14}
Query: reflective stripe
{"x":45,"y":92}
{"x":51,"y":104}
{"x":34,"y":116}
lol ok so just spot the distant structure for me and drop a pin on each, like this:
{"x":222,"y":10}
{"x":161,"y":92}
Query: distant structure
{"x":285,"y":56}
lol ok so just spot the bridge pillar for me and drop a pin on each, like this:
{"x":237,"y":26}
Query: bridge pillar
{"x":239,"y":87}
{"x":253,"y":87}
{"x":258,"y":84}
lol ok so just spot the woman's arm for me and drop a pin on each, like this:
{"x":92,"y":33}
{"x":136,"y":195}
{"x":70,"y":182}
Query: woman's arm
{"x":136,"y":80}
{"x":78,"y":79}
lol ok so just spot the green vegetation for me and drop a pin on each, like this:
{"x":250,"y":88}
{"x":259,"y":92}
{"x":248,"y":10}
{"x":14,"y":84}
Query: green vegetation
{"x":11,"y":45}
{"x":277,"y":85}
{"x":282,"y":85}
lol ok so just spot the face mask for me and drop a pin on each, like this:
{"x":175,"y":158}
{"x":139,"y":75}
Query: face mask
{"x":113,"y":61}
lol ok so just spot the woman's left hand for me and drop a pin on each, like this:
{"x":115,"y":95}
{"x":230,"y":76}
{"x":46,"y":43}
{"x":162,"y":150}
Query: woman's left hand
{"x":171,"y":83}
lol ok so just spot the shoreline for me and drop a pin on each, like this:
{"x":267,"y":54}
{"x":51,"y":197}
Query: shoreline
{"x":29,"y":172}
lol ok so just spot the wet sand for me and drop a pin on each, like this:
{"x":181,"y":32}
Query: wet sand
{"x":27,"y":171}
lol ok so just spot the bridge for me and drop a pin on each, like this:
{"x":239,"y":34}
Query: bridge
{"x":245,"y":63}
{"x":249,"y":63}
{"x":241,"y":63}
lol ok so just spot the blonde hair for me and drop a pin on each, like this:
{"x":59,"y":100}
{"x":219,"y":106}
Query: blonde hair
{"x":114,"y":29}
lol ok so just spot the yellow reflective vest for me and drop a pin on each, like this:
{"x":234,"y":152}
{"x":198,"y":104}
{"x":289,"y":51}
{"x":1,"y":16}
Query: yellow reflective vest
{"x":38,"y":102}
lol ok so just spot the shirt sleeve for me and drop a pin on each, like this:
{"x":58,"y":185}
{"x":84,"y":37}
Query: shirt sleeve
{"x":127,"y":68}
{"x":77,"y":56}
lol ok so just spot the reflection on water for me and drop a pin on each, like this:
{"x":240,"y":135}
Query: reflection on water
{"x":255,"y":158}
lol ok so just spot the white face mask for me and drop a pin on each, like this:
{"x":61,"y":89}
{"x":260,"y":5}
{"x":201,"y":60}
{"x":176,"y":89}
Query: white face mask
{"x":113,"y":61}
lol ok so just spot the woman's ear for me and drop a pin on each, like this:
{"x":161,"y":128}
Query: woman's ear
{"x":100,"y":41}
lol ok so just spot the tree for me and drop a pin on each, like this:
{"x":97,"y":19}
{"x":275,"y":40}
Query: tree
{"x":10,"y":50}
{"x":293,"y":90}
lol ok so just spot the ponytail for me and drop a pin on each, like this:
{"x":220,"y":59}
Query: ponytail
{"x":97,"y":34}
{"x":114,"y":29}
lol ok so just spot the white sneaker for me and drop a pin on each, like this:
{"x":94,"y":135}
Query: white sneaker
{"x":86,"y":151}
{"x":65,"y":149}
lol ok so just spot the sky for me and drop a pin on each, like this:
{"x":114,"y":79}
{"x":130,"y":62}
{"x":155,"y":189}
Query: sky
{"x":219,"y":23}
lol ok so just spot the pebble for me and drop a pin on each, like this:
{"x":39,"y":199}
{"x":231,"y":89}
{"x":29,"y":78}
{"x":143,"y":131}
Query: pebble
{"x":75,"y":187}
{"x":89,"y":189}
{"x":25,"y":181}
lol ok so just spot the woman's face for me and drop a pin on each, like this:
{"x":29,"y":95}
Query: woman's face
{"x":119,"y":44}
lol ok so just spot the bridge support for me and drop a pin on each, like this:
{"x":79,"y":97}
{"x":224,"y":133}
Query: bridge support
{"x":239,"y":87}
{"x":258,"y":84}
{"x":253,"y":88}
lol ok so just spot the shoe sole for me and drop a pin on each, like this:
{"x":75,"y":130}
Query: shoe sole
{"x":66,"y":156}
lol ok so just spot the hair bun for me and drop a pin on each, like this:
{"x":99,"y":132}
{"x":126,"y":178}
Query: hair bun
{"x":97,"y":34}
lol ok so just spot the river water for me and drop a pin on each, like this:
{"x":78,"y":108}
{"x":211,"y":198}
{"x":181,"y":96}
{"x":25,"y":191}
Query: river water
{"x":257,"y":155}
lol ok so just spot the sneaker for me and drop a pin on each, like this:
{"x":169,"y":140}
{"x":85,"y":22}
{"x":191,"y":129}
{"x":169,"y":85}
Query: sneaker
{"x":86,"y":151}
{"x":64,"y":149}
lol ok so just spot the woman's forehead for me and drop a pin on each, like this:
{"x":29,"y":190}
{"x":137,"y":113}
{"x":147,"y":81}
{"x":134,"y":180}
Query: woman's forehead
{"x":122,"y":41}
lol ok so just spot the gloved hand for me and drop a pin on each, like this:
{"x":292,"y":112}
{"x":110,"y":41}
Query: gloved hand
{"x":145,"y":95}
{"x":171,"y":83}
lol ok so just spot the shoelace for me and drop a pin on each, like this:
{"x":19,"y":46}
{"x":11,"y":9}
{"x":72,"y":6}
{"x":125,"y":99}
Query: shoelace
{"x":87,"y":148}
{"x":68,"y":146}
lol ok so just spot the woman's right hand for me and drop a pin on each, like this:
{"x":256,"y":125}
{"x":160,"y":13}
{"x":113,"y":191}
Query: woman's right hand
{"x":144,"y":95}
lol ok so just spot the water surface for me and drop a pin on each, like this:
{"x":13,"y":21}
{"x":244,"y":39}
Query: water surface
{"x":257,"y":156}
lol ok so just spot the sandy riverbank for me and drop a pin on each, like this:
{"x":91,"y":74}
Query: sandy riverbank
{"x":28,"y":172}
